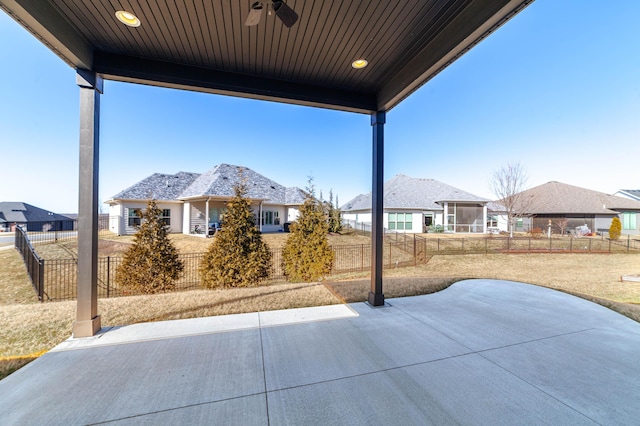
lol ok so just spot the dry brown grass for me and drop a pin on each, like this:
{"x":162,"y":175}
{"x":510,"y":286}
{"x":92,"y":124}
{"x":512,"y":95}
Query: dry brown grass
{"x":15,"y":286}
{"x":595,"y":277}
{"x":27,"y":327}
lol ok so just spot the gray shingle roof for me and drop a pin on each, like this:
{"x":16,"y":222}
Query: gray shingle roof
{"x":217,"y":182}
{"x":15,"y":211}
{"x":560,"y":198}
{"x":158,"y":186}
{"x":414,"y":193}
{"x":632,"y":193}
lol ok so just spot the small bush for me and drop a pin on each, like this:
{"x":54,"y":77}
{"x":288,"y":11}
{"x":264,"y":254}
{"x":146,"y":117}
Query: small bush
{"x":615,"y":229}
{"x":536,"y":232}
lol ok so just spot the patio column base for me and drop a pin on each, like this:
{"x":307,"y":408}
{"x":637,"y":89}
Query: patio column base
{"x":376,"y":299}
{"x":87,"y":328}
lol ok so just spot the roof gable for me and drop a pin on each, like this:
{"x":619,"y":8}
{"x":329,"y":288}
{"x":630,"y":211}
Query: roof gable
{"x":19,"y":212}
{"x":406,"y":192}
{"x":217,"y":182}
{"x":634,"y":194}
{"x":221,"y":180}
{"x":560,"y":198}
{"x":158,"y":186}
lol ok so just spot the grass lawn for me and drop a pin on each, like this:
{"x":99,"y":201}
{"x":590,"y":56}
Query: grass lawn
{"x":27,"y":327}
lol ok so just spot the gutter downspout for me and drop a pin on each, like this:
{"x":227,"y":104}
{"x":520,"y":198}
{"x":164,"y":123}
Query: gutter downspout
{"x":206,"y":218}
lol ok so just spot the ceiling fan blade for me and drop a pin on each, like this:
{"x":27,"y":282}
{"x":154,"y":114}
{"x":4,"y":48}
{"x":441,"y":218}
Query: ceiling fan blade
{"x":254,"y":15}
{"x":287,"y":15}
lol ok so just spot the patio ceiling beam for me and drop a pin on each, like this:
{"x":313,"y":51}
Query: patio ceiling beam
{"x":46,"y":23}
{"x":470,"y":27}
{"x":165,"y":74}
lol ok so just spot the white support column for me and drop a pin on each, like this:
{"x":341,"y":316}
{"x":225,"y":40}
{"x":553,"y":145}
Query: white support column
{"x":484,"y":219}
{"x":445,"y":218}
{"x":206,"y":218}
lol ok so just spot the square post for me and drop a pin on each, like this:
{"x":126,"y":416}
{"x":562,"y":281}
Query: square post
{"x":376,"y":297}
{"x":87,"y":322}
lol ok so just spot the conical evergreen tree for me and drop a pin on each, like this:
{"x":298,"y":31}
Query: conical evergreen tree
{"x":151,"y":264}
{"x":237,"y":257}
{"x":334,"y":214}
{"x":307,"y":255}
{"x":615,"y":229}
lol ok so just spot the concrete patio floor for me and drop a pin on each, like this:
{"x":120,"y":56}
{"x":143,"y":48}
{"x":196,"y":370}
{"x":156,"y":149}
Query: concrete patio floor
{"x":480,"y":352}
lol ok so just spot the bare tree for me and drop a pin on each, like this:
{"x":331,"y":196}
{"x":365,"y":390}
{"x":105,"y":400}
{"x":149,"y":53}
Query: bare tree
{"x":562,"y":224}
{"x":508,"y":185}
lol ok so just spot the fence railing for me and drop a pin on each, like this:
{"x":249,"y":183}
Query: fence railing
{"x":56,"y":279}
{"x":59,"y":230}
{"x":60,"y":275}
{"x":33,"y":263}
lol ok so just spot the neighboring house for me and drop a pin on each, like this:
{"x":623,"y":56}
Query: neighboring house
{"x":190,"y":200}
{"x":31,"y":218}
{"x":413,"y":205}
{"x":555,"y":202}
{"x":632,"y":194}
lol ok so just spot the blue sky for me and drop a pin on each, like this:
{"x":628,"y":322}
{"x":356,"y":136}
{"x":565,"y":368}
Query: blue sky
{"x":556,"y":89}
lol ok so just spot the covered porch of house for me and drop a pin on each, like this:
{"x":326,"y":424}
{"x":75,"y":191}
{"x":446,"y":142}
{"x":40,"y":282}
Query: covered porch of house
{"x":372,"y":56}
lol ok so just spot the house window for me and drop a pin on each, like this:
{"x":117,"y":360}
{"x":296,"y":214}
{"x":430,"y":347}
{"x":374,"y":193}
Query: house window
{"x":270,"y":217}
{"x":629,"y":222}
{"x":217,"y":215}
{"x":400,"y":221}
{"x":492,"y":221}
{"x":166,"y":217}
{"x":135,"y":216}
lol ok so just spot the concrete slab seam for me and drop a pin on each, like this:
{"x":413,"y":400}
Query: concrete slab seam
{"x":166,"y":410}
{"x":264,"y":370}
{"x":524,"y":380}
{"x":383,"y":370}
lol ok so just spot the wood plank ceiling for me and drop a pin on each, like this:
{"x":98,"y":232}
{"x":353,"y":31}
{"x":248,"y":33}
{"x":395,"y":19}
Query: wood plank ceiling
{"x":204,"y":44}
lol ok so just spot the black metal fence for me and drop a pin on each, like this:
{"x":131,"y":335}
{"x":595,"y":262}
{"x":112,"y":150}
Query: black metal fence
{"x":60,"y":275}
{"x":33,"y":263}
{"x":56,"y":279}
{"x":58,"y":231}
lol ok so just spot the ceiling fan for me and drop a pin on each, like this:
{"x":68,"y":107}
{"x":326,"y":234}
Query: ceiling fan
{"x":287,"y":15}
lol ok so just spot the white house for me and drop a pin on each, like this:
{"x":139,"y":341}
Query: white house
{"x":413,"y":205}
{"x":191,"y":202}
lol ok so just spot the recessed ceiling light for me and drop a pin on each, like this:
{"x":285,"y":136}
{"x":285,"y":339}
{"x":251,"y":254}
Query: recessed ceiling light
{"x":128,"y":18}
{"x":359,"y":64}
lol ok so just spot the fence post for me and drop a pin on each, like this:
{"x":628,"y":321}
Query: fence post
{"x":462,"y":245}
{"x":362,"y":257}
{"x":415,"y":252}
{"x":589,"y":245}
{"x":438,"y":251}
{"x":108,"y":273}
{"x":550,"y":240}
{"x":41,"y":280}
{"x":609,"y":245}
{"x":628,"y":242}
